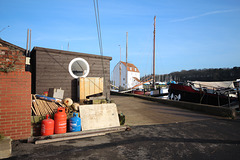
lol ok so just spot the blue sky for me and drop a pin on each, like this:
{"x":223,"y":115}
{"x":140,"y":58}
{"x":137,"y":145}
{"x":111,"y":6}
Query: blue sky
{"x":190,"y":34}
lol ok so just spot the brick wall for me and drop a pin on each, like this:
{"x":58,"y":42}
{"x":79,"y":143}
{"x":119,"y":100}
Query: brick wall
{"x":15,"y":95}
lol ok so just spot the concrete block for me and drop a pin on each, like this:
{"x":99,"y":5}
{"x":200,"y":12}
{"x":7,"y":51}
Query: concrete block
{"x":5,"y":147}
{"x":99,"y":116}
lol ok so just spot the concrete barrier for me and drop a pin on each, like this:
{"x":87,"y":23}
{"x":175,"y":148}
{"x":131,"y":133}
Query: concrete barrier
{"x":97,"y":116}
{"x":5,"y":147}
{"x":208,"y":109}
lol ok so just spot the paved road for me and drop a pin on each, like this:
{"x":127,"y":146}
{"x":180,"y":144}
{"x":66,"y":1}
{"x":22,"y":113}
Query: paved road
{"x":189,"y":136}
{"x":141,"y":112}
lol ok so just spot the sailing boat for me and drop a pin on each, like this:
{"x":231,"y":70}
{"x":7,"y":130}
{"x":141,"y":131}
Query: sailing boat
{"x":151,"y":78}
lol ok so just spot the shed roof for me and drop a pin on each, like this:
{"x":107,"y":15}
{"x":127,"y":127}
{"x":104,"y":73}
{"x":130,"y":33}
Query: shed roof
{"x":130,"y":67}
{"x":70,"y":53}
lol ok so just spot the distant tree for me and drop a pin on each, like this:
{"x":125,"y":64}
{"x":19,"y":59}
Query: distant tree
{"x":212,"y":74}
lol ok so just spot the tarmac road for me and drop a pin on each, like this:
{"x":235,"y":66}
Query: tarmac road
{"x":158,"y":132}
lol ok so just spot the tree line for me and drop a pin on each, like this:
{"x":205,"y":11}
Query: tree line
{"x":215,"y":74}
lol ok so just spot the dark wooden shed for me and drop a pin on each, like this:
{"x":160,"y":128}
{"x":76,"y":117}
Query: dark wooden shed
{"x":49,"y":69}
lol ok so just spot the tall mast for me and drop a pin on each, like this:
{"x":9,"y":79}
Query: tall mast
{"x":126,"y":60}
{"x":154,"y":51}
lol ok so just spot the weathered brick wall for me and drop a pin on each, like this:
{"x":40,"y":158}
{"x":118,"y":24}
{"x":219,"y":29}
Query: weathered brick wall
{"x":15,"y":95}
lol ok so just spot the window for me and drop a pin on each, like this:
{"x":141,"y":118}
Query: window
{"x":135,"y":69}
{"x":130,"y":68}
{"x":78,"y":67}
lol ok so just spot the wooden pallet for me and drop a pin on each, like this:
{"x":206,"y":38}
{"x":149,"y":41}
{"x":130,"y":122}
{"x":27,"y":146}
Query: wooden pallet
{"x":43,"y":107}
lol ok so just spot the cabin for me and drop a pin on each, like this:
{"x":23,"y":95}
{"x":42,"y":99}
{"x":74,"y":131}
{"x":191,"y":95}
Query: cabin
{"x":53,"y":68}
{"x":121,"y":70}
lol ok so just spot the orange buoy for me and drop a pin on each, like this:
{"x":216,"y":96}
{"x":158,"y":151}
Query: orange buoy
{"x":47,"y":127}
{"x":60,"y":118}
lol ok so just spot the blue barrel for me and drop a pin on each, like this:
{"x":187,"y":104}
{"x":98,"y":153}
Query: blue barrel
{"x":75,"y":123}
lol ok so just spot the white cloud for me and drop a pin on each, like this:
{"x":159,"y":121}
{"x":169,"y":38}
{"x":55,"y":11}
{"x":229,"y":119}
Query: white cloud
{"x":202,"y":15}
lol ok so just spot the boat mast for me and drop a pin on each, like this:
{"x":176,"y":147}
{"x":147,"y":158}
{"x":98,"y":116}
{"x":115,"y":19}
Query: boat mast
{"x":154,"y":51}
{"x":126,"y":60}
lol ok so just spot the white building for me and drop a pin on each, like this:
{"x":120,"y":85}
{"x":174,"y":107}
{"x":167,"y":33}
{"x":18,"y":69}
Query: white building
{"x":133,"y":75}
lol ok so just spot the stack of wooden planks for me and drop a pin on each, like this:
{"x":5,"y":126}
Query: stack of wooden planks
{"x":43,"y":107}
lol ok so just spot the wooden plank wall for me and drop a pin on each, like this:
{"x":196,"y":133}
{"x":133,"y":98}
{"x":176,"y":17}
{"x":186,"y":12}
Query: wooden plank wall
{"x":51,"y":71}
{"x":90,"y":86}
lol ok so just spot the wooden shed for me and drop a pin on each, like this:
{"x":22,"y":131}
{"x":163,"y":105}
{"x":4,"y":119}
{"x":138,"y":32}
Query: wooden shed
{"x":50,"y":69}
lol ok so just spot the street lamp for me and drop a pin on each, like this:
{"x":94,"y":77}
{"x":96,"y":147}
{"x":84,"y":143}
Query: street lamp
{"x":4,"y":28}
{"x":120,"y":69}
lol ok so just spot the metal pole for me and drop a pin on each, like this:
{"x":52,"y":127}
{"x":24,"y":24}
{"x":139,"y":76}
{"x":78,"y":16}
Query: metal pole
{"x":126,"y":60}
{"x":120,"y":69}
{"x":27,"y":42}
{"x":30,"y":41}
{"x":154,"y":52}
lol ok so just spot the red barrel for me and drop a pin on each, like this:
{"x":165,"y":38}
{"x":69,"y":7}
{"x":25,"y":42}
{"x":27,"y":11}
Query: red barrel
{"x":60,"y":118}
{"x":47,"y":127}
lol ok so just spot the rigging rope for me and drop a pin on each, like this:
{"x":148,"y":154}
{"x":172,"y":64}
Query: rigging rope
{"x":96,"y":9}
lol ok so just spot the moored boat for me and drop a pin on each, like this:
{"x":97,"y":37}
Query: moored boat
{"x":198,"y":93}
{"x":141,"y":92}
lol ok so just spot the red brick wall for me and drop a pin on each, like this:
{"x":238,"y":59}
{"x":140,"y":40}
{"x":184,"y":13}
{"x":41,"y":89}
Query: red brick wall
{"x":15,"y":97}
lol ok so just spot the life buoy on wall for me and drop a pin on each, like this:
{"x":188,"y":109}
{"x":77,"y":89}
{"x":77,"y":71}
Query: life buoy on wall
{"x":78,"y":67}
